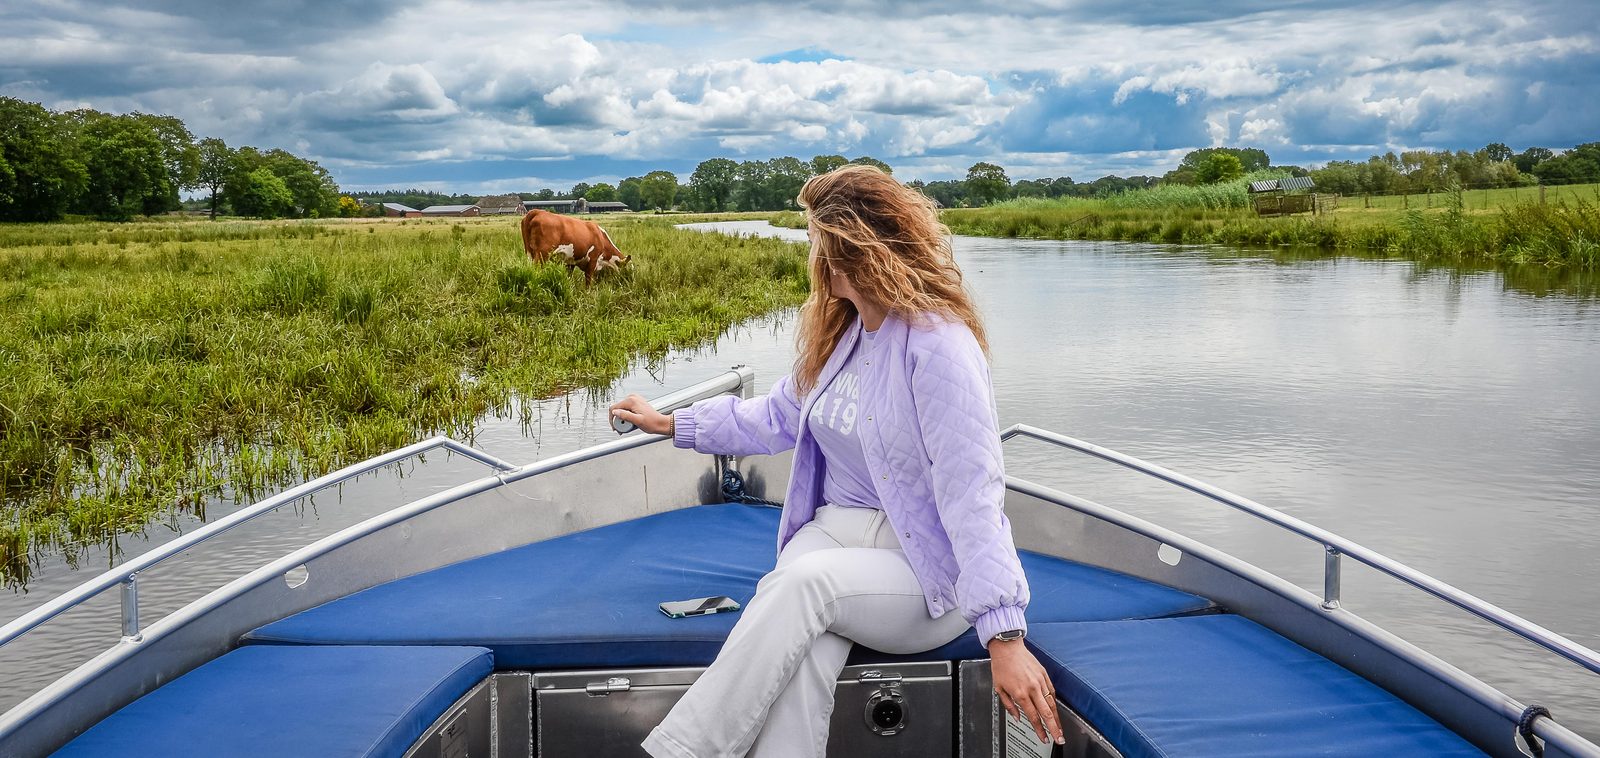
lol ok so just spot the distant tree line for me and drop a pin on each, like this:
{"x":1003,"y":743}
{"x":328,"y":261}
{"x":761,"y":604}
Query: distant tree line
{"x":1430,"y":171}
{"x":417,"y":198}
{"x":117,"y":166}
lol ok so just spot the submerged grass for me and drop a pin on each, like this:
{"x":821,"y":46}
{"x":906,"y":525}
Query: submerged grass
{"x":152,"y":366}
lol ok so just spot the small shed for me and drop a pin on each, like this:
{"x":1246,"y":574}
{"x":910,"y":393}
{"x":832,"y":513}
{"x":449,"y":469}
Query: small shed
{"x":396,"y":210}
{"x":451,"y":210}
{"x":1282,"y":197}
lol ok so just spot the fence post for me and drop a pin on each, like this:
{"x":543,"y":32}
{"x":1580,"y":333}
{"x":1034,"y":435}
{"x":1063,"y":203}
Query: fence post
{"x":1405,"y":201}
{"x":1368,"y":200}
{"x":1541,"y":194}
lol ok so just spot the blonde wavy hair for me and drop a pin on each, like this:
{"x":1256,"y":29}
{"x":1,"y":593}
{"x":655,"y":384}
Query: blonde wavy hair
{"x":887,"y":240}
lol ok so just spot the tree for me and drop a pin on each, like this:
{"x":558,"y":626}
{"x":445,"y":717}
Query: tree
{"x":628,"y":193}
{"x":1497,"y":152}
{"x":178,"y":151}
{"x":751,"y":191}
{"x":785,"y":177}
{"x":822,"y":164}
{"x":1032,"y":188}
{"x":41,"y":178}
{"x":713,"y":182}
{"x":1531,"y":157}
{"x":1343,"y":177}
{"x":127,"y":170}
{"x":871,"y":161}
{"x":262,"y":194}
{"x":1579,"y":165}
{"x":216,"y":160}
{"x":658,"y":189}
{"x":349,"y":207}
{"x":8,"y":181}
{"x":315,"y":194}
{"x":601,"y":193}
{"x":987,"y":183}
{"x":581,"y":189}
{"x":948,"y":193}
{"x":1250,"y":159}
{"x":1219,"y":167}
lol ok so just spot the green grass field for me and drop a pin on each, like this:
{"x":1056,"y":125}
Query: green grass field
{"x":153,"y":365}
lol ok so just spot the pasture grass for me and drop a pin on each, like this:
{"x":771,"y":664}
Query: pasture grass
{"x":153,"y":366}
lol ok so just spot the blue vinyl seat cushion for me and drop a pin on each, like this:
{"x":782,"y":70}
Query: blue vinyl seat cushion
{"x":277,"y":701}
{"x":590,"y":598}
{"x":1222,"y":685}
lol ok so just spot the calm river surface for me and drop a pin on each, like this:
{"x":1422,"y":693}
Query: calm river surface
{"x":1443,"y":418}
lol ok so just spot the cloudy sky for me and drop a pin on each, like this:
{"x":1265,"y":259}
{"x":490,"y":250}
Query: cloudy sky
{"x":491,"y":96}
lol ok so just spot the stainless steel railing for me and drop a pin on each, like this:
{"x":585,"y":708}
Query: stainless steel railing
{"x":1334,"y":547}
{"x":739,"y":379}
{"x":127,"y":574}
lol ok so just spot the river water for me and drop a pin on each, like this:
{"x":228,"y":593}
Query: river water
{"x":1449,"y":419}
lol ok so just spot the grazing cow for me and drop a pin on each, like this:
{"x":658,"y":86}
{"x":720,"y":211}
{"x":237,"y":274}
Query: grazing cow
{"x":577,"y":243}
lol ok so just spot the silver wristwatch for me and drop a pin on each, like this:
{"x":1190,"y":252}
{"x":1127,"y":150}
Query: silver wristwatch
{"x":1011,"y":634}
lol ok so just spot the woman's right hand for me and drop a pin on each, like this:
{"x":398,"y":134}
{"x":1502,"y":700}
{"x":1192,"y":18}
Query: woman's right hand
{"x":636,"y":410}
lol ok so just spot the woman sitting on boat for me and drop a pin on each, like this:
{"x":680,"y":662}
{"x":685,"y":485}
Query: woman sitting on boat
{"x":892,"y":534}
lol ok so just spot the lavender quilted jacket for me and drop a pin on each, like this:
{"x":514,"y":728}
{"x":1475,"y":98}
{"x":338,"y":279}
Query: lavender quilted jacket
{"x":929,"y":429}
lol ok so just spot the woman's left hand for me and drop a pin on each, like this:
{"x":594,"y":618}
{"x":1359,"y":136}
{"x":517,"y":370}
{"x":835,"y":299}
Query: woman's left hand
{"x":1024,"y":688}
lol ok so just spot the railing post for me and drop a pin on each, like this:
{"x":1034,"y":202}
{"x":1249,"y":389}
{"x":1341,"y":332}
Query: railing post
{"x":1330,"y":578}
{"x":130,"y":608}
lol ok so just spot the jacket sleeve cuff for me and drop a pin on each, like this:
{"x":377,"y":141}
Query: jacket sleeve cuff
{"x":996,"y":620}
{"x":683,"y":427}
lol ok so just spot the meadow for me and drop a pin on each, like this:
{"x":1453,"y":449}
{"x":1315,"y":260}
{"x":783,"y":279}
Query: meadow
{"x":162,"y":365}
{"x":1563,"y":231}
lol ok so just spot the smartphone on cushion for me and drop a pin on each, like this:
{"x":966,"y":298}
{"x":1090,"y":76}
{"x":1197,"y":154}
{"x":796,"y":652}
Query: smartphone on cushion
{"x":699,"y":606}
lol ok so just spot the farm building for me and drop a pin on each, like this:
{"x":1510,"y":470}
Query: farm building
{"x":574,"y":206}
{"x":451,"y":210}
{"x":554,"y":206}
{"x":1277,"y":197}
{"x":495,"y":205}
{"x":396,"y":210}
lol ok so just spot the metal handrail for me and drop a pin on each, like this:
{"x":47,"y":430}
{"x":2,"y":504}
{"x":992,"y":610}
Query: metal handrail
{"x":739,"y":378}
{"x":128,"y":572}
{"x":1334,"y":546}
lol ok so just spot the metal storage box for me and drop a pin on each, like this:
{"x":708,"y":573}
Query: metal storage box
{"x":905,"y":709}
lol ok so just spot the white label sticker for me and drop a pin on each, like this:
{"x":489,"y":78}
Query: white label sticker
{"x":1021,"y":741}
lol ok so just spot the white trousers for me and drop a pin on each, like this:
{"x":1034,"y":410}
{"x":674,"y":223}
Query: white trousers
{"x":769,"y":693}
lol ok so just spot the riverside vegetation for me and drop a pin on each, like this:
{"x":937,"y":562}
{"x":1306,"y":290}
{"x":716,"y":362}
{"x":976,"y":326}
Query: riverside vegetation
{"x":1506,"y":226}
{"x":158,"y":366}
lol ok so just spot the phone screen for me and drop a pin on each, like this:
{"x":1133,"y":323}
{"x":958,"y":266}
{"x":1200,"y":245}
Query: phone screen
{"x":699,"y":606}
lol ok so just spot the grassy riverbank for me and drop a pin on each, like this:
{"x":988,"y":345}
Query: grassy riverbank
{"x":151,"y":366}
{"x":1506,"y":227}
{"x":1560,"y":232}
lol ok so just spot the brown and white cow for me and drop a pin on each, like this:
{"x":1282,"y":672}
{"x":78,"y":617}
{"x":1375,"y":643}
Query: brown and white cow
{"x":579,"y":244}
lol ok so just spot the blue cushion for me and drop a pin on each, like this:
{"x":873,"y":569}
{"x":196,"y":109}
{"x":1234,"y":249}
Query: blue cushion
{"x":590,"y":598}
{"x":1222,"y":685}
{"x":278,"y":701}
